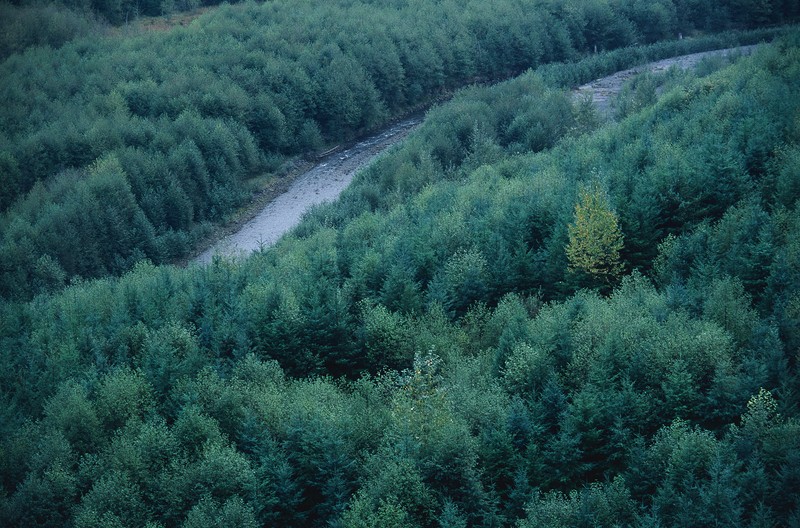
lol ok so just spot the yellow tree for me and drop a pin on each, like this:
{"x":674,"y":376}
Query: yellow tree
{"x":595,"y":238}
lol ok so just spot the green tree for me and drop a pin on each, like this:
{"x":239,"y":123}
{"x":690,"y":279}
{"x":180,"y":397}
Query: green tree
{"x":462,"y":281}
{"x":209,"y":513}
{"x":71,"y":412}
{"x":595,"y":238}
{"x":10,"y":176}
{"x":123,"y":395}
{"x":50,"y":488}
{"x":113,"y":501}
{"x":362,"y":514}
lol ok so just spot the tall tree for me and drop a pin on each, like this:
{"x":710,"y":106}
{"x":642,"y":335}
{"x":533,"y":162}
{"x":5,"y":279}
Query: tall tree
{"x":595,"y":238}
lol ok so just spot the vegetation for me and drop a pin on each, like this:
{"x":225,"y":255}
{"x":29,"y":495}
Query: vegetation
{"x":179,"y":126}
{"x":420,"y":352}
{"x":595,"y":240}
{"x":27,"y":26}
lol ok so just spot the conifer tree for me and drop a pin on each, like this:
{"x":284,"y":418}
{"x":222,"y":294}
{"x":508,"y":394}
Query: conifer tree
{"x":595,"y":238}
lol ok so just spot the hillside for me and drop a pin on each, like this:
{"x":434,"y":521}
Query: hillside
{"x":523,"y":316}
{"x":132,"y":146}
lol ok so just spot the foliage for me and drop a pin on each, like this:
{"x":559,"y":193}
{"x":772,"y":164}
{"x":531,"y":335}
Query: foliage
{"x":416,"y":354}
{"x":595,"y":239}
{"x":41,"y":24}
{"x":198,"y":117}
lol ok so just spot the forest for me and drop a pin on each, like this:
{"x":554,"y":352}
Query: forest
{"x":176,"y":129}
{"x":525,"y":315}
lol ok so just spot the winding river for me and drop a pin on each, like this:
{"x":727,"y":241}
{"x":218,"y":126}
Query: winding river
{"x":332,"y":174}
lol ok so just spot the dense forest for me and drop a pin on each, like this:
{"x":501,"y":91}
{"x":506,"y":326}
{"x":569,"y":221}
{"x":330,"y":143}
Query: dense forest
{"x":130,"y":147}
{"x":525,"y":315}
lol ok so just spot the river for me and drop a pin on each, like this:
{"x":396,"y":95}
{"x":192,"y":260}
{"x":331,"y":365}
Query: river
{"x":328,"y":178}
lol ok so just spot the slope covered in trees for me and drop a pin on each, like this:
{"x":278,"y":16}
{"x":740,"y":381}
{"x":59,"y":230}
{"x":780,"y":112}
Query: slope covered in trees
{"x":473,"y":383}
{"x":180,"y":126}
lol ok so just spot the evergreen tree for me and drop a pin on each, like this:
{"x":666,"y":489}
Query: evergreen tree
{"x":595,"y":239}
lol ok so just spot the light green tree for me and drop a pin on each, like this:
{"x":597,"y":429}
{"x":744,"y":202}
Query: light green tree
{"x":595,"y":238}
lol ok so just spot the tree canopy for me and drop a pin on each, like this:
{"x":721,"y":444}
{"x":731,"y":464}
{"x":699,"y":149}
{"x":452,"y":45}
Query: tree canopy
{"x":198,"y":117}
{"x":419,"y":353}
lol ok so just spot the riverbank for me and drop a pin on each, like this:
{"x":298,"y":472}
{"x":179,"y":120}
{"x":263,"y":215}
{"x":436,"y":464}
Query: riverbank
{"x":280,"y":205}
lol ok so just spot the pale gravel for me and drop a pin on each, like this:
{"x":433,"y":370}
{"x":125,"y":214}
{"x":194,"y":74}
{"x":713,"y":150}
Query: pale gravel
{"x":602,"y":91}
{"x":322,"y":183}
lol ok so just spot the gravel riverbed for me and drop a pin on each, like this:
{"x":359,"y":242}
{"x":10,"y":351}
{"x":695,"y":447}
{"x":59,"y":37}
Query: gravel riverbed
{"x":332,"y":174}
